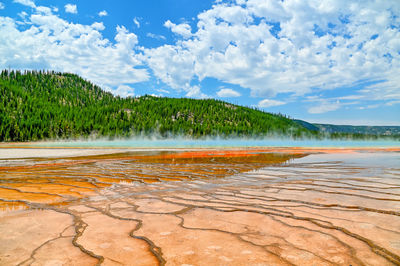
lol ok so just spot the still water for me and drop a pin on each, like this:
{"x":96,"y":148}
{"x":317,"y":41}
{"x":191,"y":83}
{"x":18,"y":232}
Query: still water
{"x":218,"y":142}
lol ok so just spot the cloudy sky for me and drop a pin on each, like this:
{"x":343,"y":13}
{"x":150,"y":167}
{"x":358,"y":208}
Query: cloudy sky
{"x":330,"y":61}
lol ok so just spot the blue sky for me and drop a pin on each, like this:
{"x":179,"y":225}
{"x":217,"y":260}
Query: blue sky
{"x":321,"y":61}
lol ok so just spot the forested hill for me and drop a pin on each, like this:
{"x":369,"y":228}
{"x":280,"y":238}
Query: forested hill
{"x":49,"y":105}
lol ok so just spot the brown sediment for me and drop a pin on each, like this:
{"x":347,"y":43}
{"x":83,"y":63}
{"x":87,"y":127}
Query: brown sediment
{"x":225,"y":207}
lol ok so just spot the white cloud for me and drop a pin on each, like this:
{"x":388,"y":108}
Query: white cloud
{"x":392,"y":103}
{"x":195,"y":92}
{"x":124,"y":91}
{"x":228,"y":93}
{"x":183,"y":29}
{"x":387,"y":90}
{"x":324,"y":106}
{"x":22,"y":14}
{"x":125,"y":39}
{"x":2,"y":6}
{"x":354,"y":122}
{"x":51,"y":42}
{"x":44,"y":10}
{"x":155,"y":36}
{"x":70,"y":8}
{"x":163,"y":91}
{"x":350,"y":97}
{"x":172,"y":65}
{"x":270,"y":47}
{"x":136,"y":21}
{"x":29,"y":3}
{"x":290,"y":46}
{"x":98,"y":26}
{"x":370,"y":106}
{"x":103,"y":13}
{"x":269,"y":103}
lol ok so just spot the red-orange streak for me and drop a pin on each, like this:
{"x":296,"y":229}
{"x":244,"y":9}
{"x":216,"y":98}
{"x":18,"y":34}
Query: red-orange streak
{"x":204,"y":154}
{"x":212,"y":153}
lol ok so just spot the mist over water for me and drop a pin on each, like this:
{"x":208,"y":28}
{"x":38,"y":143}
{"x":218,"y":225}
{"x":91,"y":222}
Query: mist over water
{"x":181,"y":142}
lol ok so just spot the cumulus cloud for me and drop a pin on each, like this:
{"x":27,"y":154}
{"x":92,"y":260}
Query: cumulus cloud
{"x":124,"y":91}
{"x":183,"y":29}
{"x":103,"y":13}
{"x":228,"y":93}
{"x":270,"y":47}
{"x":98,"y":26}
{"x":70,"y":8}
{"x":173,"y":65}
{"x":294,"y":47}
{"x":269,"y":103}
{"x":29,"y":3}
{"x":195,"y":92}
{"x":2,"y":6}
{"x":51,"y":42}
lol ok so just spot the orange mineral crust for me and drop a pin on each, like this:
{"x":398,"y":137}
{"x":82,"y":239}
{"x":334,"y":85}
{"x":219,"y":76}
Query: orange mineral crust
{"x":258,"y":206}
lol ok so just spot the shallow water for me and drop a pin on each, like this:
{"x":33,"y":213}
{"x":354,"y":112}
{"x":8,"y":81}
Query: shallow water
{"x":218,"y":142}
{"x":219,"y":207}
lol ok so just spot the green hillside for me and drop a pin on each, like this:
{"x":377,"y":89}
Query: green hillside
{"x":49,"y":105}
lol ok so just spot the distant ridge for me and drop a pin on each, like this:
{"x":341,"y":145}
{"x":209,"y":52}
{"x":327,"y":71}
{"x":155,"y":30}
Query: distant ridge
{"x":307,"y":125}
{"x":371,"y":130}
{"x":349,"y":129}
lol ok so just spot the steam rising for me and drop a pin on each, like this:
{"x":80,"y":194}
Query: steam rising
{"x":155,"y":141}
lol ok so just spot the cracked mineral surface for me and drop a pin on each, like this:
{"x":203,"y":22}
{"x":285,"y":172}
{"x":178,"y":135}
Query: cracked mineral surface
{"x":279,"y":206}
